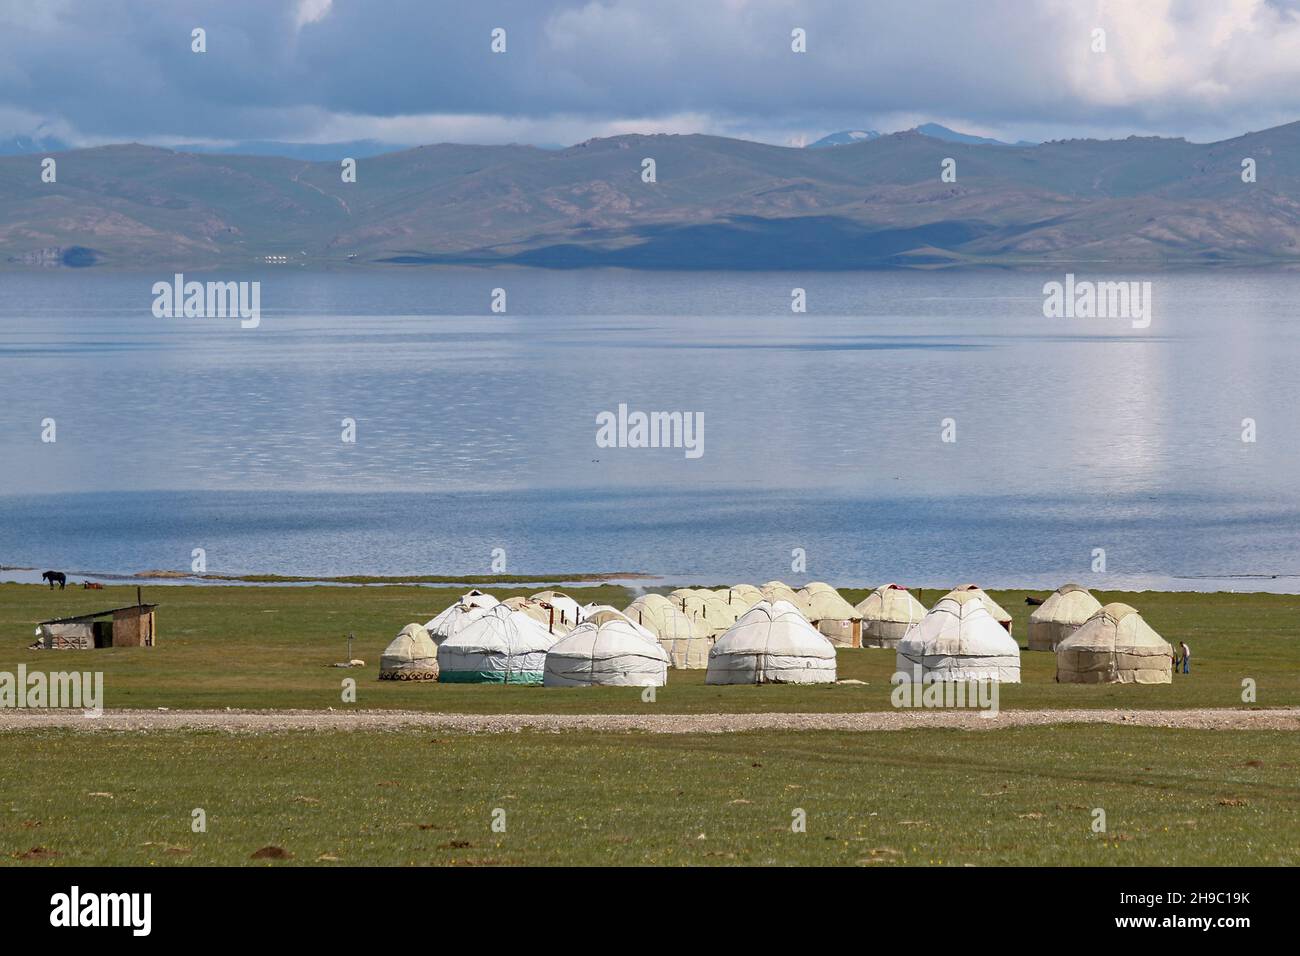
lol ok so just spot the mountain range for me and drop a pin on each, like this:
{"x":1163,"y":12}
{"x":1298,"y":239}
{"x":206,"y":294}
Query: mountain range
{"x":715,"y":203}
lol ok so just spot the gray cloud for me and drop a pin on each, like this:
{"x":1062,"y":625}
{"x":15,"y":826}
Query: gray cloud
{"x":413,"y":70}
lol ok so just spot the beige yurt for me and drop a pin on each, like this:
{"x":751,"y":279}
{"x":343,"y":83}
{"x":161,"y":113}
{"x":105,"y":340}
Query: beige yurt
{"x":959,"y":641}
{"x":567,"y":610}
{"x":1060,"y":615}
{"x":745,"y":592}
{"x":411,"y":656}
{"x":1114,"y":646}
{"x":704,"y":606}
{"x":733,"y":605}
{"x":772,"y":644}
{"x":687,"y":640}
{"x":774,"y":591}
{"x":607,"y":649}
{"x":477,"y":598}
{"x":543,"y":614}
{"x":888,"y":613}
{"x":832,"y":615}
{"x":999,"y":613}
{"x":450,"y":621}
{"x":501,"y":646}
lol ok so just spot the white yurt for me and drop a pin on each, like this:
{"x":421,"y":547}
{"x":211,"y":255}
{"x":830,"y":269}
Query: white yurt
{"x":567,"y":610}
{"x":888,"y":613}
{"x":608,"y":649}
{"x":412,"y":655}
{"x":450,"y":621}
{"x":543,"y":614}
{"x":687,"y":640}
{"x":999,"y":613}
{"x":1060,"y":616}
{"x":1114,"y":646}
{"x":501,"y":646}
{"x":772,"y":644}
{"x":832,"y":615}
{"x":959,"y":641}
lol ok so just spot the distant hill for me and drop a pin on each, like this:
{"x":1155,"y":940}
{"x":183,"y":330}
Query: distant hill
{"x":844,"y":138}
{"x":717,"y":203}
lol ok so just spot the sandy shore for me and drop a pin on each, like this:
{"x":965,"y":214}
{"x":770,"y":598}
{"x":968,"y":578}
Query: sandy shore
{"x":250,"y":721}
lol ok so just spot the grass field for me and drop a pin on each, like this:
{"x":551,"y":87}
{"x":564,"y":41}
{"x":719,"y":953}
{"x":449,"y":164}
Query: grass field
{"x":270,"y":647}
{"x":1016,"y":796}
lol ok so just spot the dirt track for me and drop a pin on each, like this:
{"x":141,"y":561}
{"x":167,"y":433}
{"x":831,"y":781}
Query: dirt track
{"x":250,"y":721}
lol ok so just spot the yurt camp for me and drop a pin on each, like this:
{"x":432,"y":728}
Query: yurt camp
{"x":412,"y":655}
{"x":1114,"y":646}
{"x":687,"y":640}
{"x":832,"y":615}
{"x":608,"y":649}
{"x":772,"y":644}
{"x":448,"y":622}
{"x":888,"y":613}
{"x":501,"y":646}
{"x":959,"y":641}
{"x":566,"y":608}
{"x":1060,"y":615}
{"x":999,"y":613}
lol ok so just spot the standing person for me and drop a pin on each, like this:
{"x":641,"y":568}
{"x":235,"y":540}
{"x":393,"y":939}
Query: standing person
{"x":1187,"y":657}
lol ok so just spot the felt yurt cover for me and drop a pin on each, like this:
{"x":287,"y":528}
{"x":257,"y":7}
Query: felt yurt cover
{"x":772,"y":643}
{"x":705,"y":607}
{"x":567,"y":609}
{"x":888,"y":613}
{"x":412,"y":655}
{"x":450,"y":621}
{"x":959,"y":641}
{"x":607,"y":649}
{"x":832,"y":615}
{"x":1060,"y":615}
{"x":500,"y":647}
{"x":686,"y":640}
{"x":1114,"y":646}
{"x":999,"y":613}
{"x":541,"y":613}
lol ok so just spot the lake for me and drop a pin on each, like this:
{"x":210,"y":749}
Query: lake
{"x":823,"y":431}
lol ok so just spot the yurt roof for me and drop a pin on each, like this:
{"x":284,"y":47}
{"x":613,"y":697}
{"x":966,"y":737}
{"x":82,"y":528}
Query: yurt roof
{"x":502,"y":630}
{"x":774,"y":628}
{"x":411,"y":644}
{"x":829,"y":605}
{"x":1116,"y":626}
{"x":998,"y":612}
{"x":1068,"y":604}
{"x":609,"y":637}
{"x":451,"y":619}
{"x":891,"y":602}
{"x":604,"y":614}
{"x":959,"y":625}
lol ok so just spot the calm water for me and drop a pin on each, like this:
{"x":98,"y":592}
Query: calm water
{"x":822,"y":431}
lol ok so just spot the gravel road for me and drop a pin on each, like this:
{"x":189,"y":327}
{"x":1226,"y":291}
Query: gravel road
{"x":262,"y":721}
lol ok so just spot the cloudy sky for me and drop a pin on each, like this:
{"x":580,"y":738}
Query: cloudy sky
{"x":420,"y":71}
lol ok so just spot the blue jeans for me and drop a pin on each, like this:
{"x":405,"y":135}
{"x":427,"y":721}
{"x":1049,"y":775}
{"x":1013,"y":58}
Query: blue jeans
{"x":1187,"y":664}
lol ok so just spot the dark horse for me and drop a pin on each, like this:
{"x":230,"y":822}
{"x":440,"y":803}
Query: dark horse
{"x":55,"y":577}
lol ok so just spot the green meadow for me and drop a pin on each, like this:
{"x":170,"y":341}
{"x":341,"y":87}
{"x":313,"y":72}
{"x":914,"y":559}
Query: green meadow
{"x":270,"y":647}
{"x":1024,"y":795}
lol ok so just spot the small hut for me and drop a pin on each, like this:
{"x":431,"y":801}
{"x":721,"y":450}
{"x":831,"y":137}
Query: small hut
{"x":130,"y":626}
